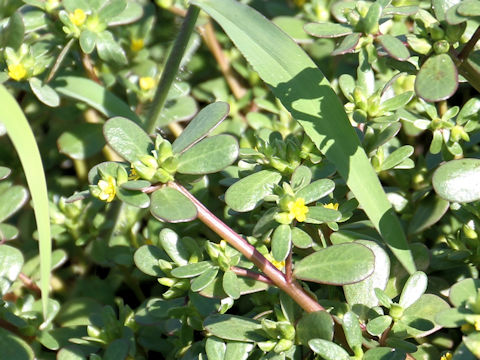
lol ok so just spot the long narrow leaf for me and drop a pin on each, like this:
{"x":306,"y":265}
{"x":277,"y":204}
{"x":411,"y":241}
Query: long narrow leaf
{"x":307,"y":94}
{"x":21,"y":135}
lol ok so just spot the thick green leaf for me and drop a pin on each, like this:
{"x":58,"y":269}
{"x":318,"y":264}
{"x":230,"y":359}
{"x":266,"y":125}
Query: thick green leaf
{"x":44,"y":92}
{"x":301,"y":177}
{"x":14,"y":347}
{"x":469,"y":8}
{"x":178,"y":109}
{"x":378,"y":325}
{"x":11,"y":200}
{"x":95,"y":95}
{"x":327,"y":29}
{"x":348,"y":44}
{"x":238,"y":350}
{"x":192,"y":270}
{"x":328,"y":350}
{"x":135,"y":185}
{"x":458,"y":180}
{"x":394,"y":47}
{"x":127,"y":138}
{"x":437,"y":79}
{"x":355,"y":261}
{"x":231,"y":327}
{"x":8,"y":232}
{"x":301,"y":239}
{"x":112,"y":9}
{"x":23,"y":140}
{"x":146,"y":258}
{"x":209,"y":155}
{"x":384,"y":353}
{"x":352,"y":330}
{"x":134,"y":198}
{"x":215,"y":348}
{"x":304,"y":91}
{"x":472,"y":341}
{"x":293,"y":27}
{"x":248,"y":193}
{"x":428,"y":212}
{"x":4,"y":172}
{"x":413,"y":289}
{"x":245,"y":286}
{"x":82,"y":141}
{"x":397,"y":102}
{"x":205,"y":121}
{"x":281,"y":242}
{"x":174,"y":247}
{"x":316,"y":325}
{"x":117,"y":349}
{"x":316,"y":190}
{"x":418,"y":320}
{"x":87,"y":41}
{"x":230,"y":285}
{"x":13,"y":33}
{"x":452,"y":318}
{"x":170,"y":205}
{"x":370,"y":22}
{"x":12,"y":261}
{"x":204,"y":279}
{"x":363,"y":292}
{"x":320,"y":214}
{"x":397,"y":157}
{"x":464,"y":291}
{"x":131,"y":13}
{"x":108,"y":49}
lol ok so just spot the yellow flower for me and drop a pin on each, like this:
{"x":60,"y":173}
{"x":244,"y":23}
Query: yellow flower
{"x":297,"y":210}
{"x":331,"y":206}
{"x":146,"y":83}
{"x":17,"y":71}
{"x":78,"y":17}
{"x":477,"y":324}
{"x":108,"y":189}
{"x":136,"y":44}
{"x":278,"y":264}
{"x":133,"y":174}
{"x":447,"y":356}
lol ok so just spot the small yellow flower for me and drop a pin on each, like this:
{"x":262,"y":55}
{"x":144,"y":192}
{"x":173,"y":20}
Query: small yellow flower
{"x":476,"y":324}
{"x":331,"y":206}
{"x":297,"y":210}
{"x":146,"y":83}
{"x":133,"y":174}
{"x":136,"y":44}
{"x":108,"y":189}
{"x":78,"y":17}
{"x":278,"y":264}
{"x":447,"y":356}
{"x":17,"y":71}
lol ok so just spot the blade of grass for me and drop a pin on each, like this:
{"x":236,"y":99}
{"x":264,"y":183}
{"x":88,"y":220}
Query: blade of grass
{"x":21,"y":135}
{"x":306,"y":93}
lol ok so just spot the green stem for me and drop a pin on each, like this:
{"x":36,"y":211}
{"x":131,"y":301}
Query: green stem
{"x":171,"y":67}
{"x":467,"y":49}
{"x":293,"y":288}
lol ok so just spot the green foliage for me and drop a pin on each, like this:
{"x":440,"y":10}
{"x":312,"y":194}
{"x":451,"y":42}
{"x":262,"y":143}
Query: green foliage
{"x":208,"y":194}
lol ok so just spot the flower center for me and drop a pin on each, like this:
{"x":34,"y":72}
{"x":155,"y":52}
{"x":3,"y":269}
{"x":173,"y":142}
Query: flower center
{"x":17,"y":72}
{"x":78,"y":17}
{"x":108,"y":189}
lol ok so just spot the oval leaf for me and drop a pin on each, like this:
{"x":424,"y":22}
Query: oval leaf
{"x":12,"y":261}
{"x":247,"y":193}
{"x":127,"y":138}
{"x":191,"y":270}
{"x":44,"y":92}
{"x":316,"y":190}
{"x":204,"y":280}
{"x":281,"y":242}
{"x":437,"y":79}
{"x":14,"y":347}
{"x":174,"y":247}
{"x":146,"y":258}
{"x":355,"y":261}
{"x":209,"y":155}
{"x":428,"y":212}
{"x":316,"y":325}
{"x":327,"y":29}
{"x":363,"y":292}
{"x":205,"y":121}
{"x":230,"y":285}
{"x":231,"y":327}
{"x":328,"y":350}
{"x":394,"y":47}
{"x":413,"y":289}
{"x":169,"y":205}
{"x":82,"y":141}
{"x":11,"y":200}
{"x":458,"y":180}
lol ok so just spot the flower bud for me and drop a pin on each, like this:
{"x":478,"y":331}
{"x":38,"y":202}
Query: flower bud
{"x":441,"y":47}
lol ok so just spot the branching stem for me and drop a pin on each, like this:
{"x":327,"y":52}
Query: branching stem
{"x":293,"y":289}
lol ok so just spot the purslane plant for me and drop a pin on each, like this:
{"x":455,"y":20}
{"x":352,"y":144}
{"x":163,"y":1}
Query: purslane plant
{"x":279,"y":223}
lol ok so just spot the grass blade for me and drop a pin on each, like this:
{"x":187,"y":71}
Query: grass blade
{"x":307,"y":94}
{"x":21,"y":135}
